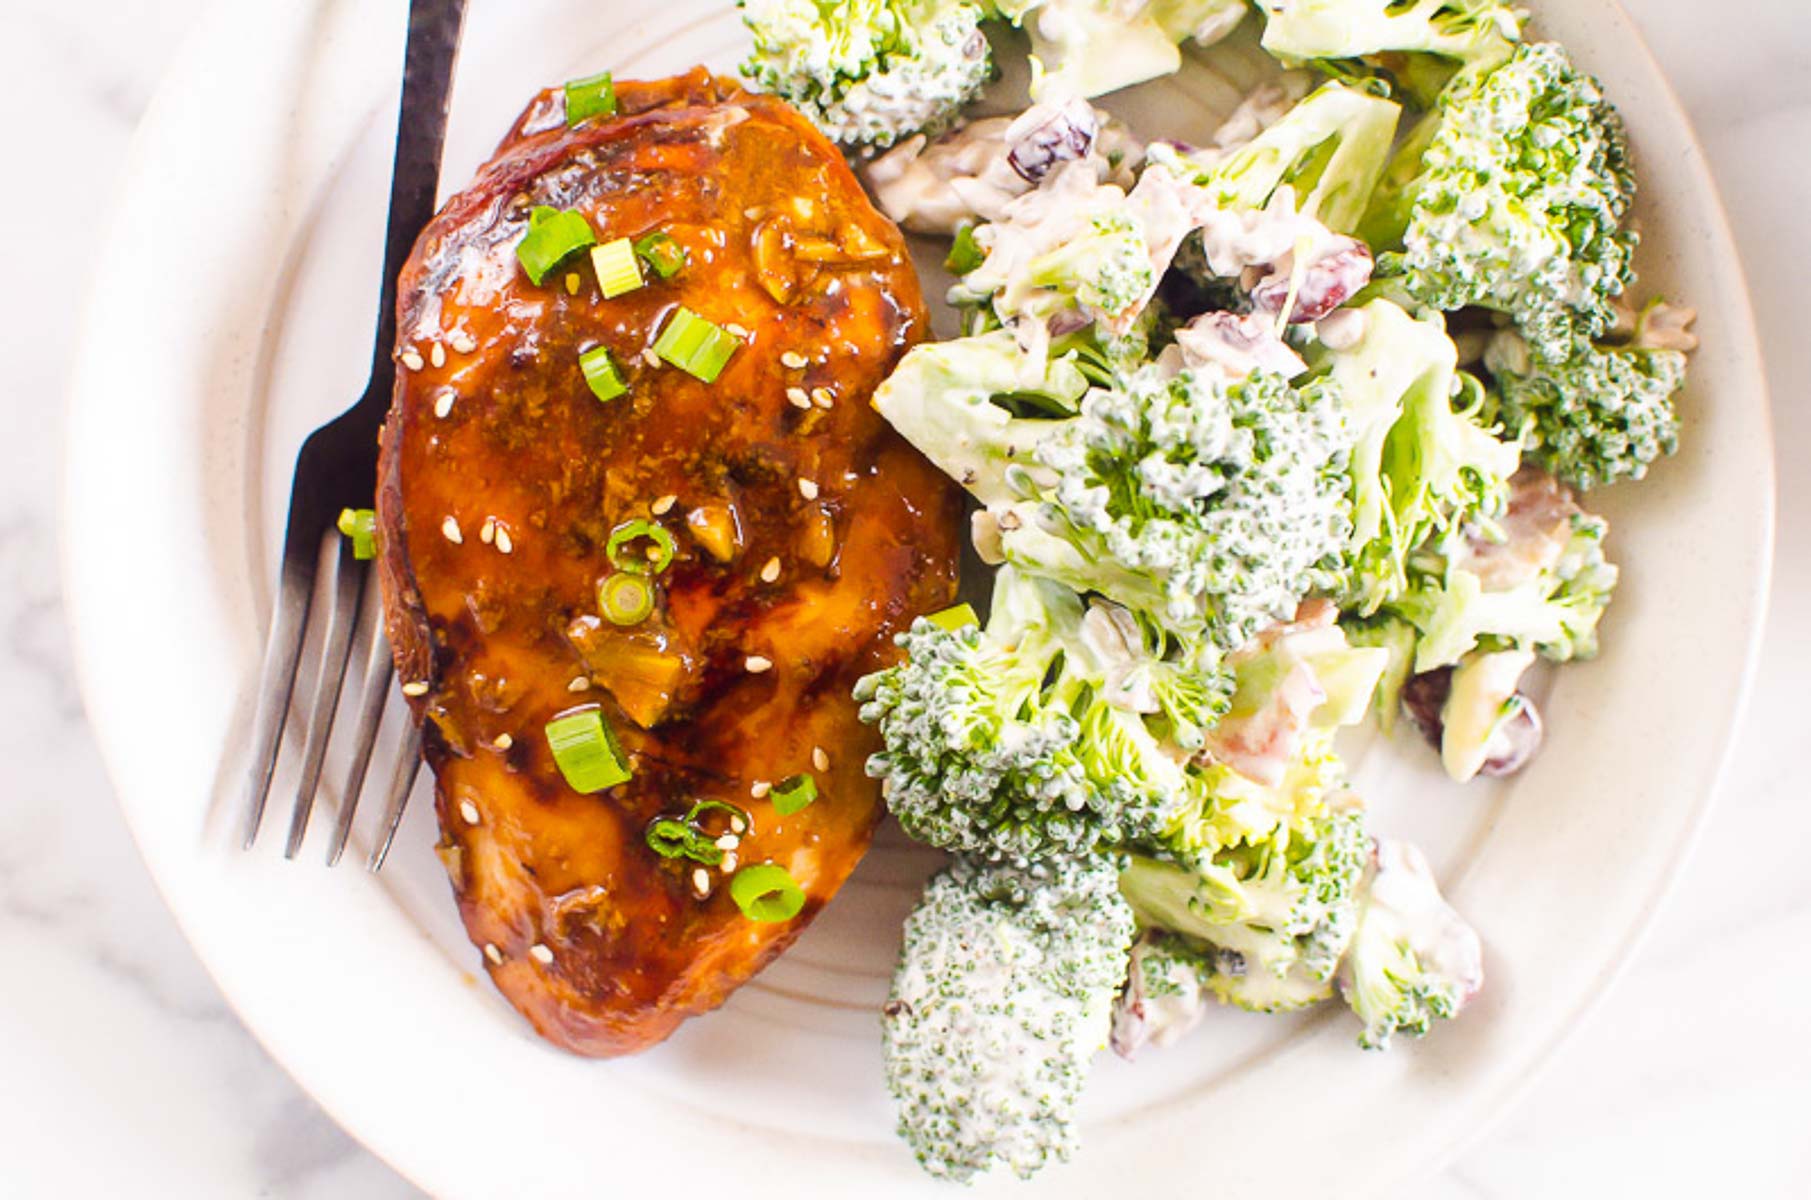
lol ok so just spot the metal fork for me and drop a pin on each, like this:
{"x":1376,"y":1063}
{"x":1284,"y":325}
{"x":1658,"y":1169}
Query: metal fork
{"x":337,"y":468}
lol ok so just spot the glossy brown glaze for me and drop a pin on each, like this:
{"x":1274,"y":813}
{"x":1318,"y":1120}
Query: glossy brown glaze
{"x":806,"y":537}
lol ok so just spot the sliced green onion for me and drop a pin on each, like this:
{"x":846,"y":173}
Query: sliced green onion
{"x":360,"y":524}
{"x":661,"y":252}
{"x":965,"y":253}
{"x":671,"y":837}
{"x":658,"y":559}
{"x":790,"y":795}
{"x":676,"y":837}
{"x":695,"y":346}
{"x":626,"y":599}
{"x":601,"y":374}
{"x":727,"y":809}
{"x":586,"y":751}
{"x":766,"y":893}
{"x":553,"y":235}
{"x":954,"y":618}
{"x":592,"y":96}
{"x":618,"y":269}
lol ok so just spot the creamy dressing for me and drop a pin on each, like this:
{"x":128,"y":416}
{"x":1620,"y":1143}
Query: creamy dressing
{"x":1405,"y":903}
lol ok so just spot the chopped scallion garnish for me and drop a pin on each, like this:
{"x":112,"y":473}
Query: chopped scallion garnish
{"x":695,"y":345}
{"x":592,"y":96}
{"x":360,"y":524}
{"x":671,"y":837}
{"x":965,"y":253}
{"x":601,"y":374}
{"x":790,"y":795}
{"x":655,"y":560}
{"x":618,"y":269}
{"x":766,"y":893}
{"x":553,"y":236}
{"x":686,"y":837}
{"x":954,"y":618}
{"x":661,"y":252}
{"x":626,"y":599}
{"x":586,"y":751}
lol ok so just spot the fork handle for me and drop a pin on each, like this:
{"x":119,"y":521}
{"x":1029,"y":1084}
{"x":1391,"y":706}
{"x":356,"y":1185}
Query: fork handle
{"x":427,"y":83}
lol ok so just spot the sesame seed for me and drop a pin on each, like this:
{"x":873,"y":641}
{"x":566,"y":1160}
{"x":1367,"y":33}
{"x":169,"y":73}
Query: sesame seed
{"x":823,"y":397}
{"x":701,"y":881}
{"x":753,"y":211}
{"x":580,"y":684}
{"x":792,"y":360}
{"x":819,"y":759}
{"x":664,"y":505}
{"x":735,"y":330}
{"x":503,"y":542}
{"x":450,"y":527}
{"x":757,"y":664}
{"x":728,"y":865}
{"x":487,"y":532}
{"x":415,"y":687}
{"x":738,"y":824}
{"x":572,"y":283}
{"x":491,"y":952}
{"x":728,"y":841}
{"x":648,"y":356}
{"x":540,"y":953}
{"x":411,"y":360}
{"x":469,"y":811}
{"x":504,"y":741}
{"x":462,"y":341}
{"x":437,"y":355}
{"x":757,"y":789}
{"x":798,"y":397}
{"x":443,"y":403}
{"x":771,"y":570}
{"x":808,"y":489}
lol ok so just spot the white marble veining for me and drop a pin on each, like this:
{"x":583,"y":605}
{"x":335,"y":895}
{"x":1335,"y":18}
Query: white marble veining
{"x":122,"y":1072}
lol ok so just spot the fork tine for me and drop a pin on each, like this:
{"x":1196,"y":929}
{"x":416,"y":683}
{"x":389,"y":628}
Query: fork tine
{"x":277,"y":680}
{"x":378,"y":670}
{"x":348,"y":585}
{"x":408,"y":763}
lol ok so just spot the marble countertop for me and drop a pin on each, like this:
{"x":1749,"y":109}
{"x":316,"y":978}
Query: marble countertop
{"x":125,"y":1072}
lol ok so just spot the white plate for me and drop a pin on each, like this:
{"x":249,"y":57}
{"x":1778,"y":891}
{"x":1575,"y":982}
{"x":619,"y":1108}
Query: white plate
{"x":234,"y":313}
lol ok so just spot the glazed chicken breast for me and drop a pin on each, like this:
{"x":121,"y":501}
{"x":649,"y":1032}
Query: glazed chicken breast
{"x":777,"y":531}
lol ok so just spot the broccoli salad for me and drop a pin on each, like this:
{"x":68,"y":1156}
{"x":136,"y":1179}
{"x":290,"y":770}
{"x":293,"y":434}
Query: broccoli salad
{"x":1267,"y":438}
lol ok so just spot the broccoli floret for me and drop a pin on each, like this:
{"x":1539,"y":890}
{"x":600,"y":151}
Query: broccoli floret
{"x":1478,"y":32}
{"x":1413,"y":960}
{"x":1003,"y":993}
{"x":1422,"y":461}
{"x":1511,"y":196}
{"x":1552,"y":607}
{"x":1092,"y":47}
{"x":1106,"y":272}
{"x":1285,"y":907}
{"x":1211,"y":504}
{"x":1074,"y":253}
{"x":1598,"y":415}
{"x":1206,"y":503}
{"x":870,"y":72}
{"x":942,"y":395}
{"x":1330,"y":149}
{"x":1007,"y":744}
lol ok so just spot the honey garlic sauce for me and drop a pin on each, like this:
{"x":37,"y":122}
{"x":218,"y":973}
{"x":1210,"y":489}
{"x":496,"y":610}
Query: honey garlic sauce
{"x":805,"y":535}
